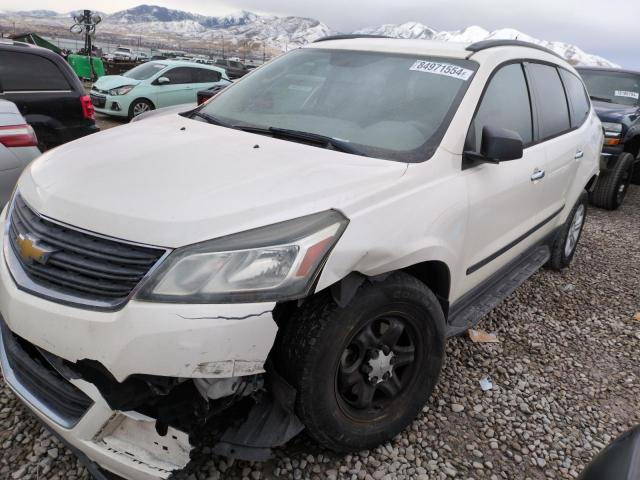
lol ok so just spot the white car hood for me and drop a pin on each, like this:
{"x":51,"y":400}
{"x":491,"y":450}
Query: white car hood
{"x":172,"y":181}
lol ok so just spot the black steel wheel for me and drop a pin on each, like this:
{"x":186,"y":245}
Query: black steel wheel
{"x":377,"y":366}
{"x":363,"y":371}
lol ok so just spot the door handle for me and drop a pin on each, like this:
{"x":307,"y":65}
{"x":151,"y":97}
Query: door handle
{"x":579,"y":155}
{"x":537,"y":175}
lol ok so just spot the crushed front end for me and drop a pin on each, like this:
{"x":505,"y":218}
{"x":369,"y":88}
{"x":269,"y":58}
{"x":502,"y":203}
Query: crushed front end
{"x":132,"y":386}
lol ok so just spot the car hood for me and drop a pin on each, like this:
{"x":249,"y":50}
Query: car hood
{"x":172,"y":181}
{"x":612,"y":112}
{"x":114,"y":81}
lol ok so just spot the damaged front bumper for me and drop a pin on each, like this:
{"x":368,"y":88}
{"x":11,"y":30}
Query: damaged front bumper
{"x":131,"y":389}
{"x":125,"y":443}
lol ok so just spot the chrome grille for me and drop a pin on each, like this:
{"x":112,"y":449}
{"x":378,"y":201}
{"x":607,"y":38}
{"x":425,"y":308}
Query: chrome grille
{"x":101,"y":271}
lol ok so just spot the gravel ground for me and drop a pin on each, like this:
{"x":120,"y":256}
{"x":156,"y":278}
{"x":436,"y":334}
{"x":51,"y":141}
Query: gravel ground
{"x":565,"y":377}
{"x":105,"y":122}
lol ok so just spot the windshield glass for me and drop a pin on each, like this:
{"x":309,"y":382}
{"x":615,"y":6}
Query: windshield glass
{"x":383,"y":105}
{"x":147,"y":70}
{"x":617,"y":87}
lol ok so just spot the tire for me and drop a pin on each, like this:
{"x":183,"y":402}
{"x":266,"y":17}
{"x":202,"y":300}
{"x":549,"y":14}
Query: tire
{"x":566,"y":242}
{"x":325,"y":354}
{"x":613,"y":184}
{"x":635,"y":179}
{"x":138,"y":106}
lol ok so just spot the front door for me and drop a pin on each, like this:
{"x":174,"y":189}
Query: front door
{"x":504,"y":199}
{"x":180,"y":88}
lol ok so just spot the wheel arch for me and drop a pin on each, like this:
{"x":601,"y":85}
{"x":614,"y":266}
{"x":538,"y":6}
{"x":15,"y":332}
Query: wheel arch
{"x":591,"y":183}
{"x":632,"y":145}
{"x":435,"y":274}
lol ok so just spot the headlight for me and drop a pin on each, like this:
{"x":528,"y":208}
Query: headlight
{"x":273,"y":263}
{"x":612,"y":133}
{"x":121,"y":90}
{"x":612,"y":129}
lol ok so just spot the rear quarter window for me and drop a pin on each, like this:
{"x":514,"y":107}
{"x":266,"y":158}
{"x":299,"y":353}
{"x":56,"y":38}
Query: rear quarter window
{"x":578,"y":99}
{"x":28,"y":72}
{"x":550,"y":99}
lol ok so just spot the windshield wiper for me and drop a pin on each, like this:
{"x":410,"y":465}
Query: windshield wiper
{"x":211,"y":119}
{"x":600,"y":99}
{"x":322,"y":140}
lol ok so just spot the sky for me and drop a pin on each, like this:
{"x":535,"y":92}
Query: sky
{"x":593,"y":25}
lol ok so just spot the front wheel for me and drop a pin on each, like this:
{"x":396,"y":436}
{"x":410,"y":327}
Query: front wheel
{"x":564,"y":246}
{"x":139,"y":106}
{"x":363,"y":372}
{"x":613,"y":184}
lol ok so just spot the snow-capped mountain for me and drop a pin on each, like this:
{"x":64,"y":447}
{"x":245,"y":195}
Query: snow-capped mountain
{"x":161,"y":25}
{"x":415,"y":30}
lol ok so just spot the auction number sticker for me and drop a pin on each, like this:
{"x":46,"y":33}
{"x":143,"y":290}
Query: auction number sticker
{"x":624,"y":93}
{"x":442,"y":69}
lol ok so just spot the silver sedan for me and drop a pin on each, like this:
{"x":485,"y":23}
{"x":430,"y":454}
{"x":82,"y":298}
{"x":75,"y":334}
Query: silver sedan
{"x":18,"y":146}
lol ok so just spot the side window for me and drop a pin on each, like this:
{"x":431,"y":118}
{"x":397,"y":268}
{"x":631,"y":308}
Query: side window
{"x":578,"y":99}
{"x":180,"y":75}
{"x":17,"y":73}
{"x":550,"y":100}
{"x":207,"y":76}
{"x":505,"y":104}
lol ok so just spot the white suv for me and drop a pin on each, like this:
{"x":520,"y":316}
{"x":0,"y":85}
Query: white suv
{"x":292,"y":254}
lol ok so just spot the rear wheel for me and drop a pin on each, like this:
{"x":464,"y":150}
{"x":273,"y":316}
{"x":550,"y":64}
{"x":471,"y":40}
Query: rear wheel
{"x":564,"y":246}
{"x":363,"y":372}
{"x":139,"y":106}
{"x":613,"y":184}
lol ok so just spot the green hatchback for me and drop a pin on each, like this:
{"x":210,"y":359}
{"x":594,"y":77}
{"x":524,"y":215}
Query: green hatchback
{"x":152,"y":85}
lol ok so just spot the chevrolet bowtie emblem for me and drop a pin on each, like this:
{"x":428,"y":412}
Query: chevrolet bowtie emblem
{"x":31,"y":250}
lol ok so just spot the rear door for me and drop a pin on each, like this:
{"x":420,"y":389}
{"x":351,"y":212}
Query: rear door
{"x":561,"y":141}
{"x":503,"y":200}
{"x":180,"y":89}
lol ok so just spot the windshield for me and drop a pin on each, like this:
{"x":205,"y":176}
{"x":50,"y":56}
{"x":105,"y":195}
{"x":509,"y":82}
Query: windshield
{"x":382,"y":105}
{"x":142,"y":72}
{"x":616,"y":87}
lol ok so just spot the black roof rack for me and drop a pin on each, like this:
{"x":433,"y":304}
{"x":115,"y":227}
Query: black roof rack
{"x":349,"y":36}
{"x":484,"y":44}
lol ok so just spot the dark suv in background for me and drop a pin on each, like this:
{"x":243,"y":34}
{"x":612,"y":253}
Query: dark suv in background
{"x":616,"y":98}
{"x":47,"y":92}
{"x":234,"y":69}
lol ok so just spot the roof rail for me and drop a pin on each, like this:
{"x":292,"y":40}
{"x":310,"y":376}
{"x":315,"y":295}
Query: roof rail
{"x":485,"y":44}
{"x":349,"y":36}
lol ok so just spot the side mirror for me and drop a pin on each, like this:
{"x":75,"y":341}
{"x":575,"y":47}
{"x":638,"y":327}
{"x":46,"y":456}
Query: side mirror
{"x":498,"y":145}
{"x":163,"y":81}
{"x":620,"y":460}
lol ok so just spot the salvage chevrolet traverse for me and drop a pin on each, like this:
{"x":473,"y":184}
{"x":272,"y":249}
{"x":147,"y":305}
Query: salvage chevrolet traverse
{"x":292,"y":254}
